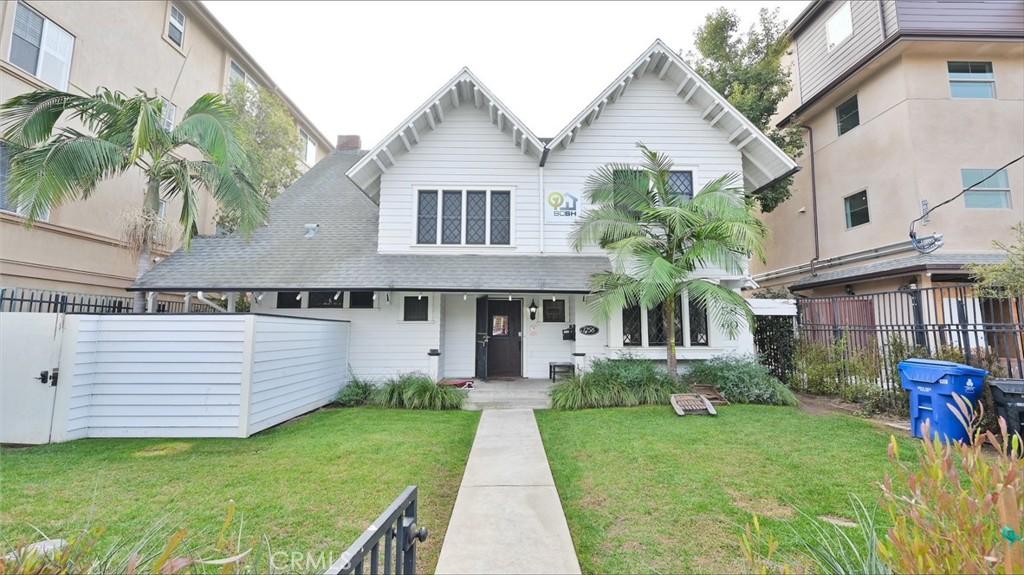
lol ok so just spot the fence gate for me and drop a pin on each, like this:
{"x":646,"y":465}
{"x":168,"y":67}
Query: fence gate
{"x":29,"y":375}
{"x":396,"y":529}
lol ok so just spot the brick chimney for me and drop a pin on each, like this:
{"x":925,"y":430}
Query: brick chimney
{"x":349,"y":142}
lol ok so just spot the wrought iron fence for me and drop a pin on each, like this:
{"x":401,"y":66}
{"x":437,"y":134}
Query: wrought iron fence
{"x":873,"y":332}
{"x":397,"y":529}
{"x":46,"y":301}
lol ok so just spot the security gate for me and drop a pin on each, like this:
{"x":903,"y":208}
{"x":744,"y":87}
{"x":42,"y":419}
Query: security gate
{"x":29,"y":356}
{"x":397,"y":528}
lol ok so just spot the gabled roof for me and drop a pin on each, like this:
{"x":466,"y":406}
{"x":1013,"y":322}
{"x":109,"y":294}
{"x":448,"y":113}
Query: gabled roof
{"x":343,"y":252}
{"x":463,"y":89}
{"x":763,"y":161}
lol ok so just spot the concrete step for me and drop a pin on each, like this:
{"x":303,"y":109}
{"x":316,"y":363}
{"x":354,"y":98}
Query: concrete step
{"x":508,"y":404}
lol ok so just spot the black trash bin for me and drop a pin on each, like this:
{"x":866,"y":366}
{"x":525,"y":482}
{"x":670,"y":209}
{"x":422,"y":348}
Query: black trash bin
{"x":1008,"y":395}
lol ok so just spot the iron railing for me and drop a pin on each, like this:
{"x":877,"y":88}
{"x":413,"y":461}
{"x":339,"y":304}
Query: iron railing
{"x":46,"y":301}
{"x":397,"y":528}
{"x":948,"y":322}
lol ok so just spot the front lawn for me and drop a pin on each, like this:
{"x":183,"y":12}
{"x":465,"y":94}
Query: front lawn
{"x":647,"y":491}
{"x":310,"y":485}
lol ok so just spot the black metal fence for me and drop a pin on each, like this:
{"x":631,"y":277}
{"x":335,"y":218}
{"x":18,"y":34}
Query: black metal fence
{"x":45,"y":301}
{"x":398,"y":531}
{"x":867,"y":335}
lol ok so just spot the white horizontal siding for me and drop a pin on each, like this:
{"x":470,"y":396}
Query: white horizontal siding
{"x":297,"y":365}
{"x":465,"y":151}
{"x":143,"y":376}
{"x":382,"y":345}
{"x":650,"y":112}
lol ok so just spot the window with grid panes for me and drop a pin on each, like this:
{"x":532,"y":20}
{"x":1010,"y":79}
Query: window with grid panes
{"x":680,"y":183}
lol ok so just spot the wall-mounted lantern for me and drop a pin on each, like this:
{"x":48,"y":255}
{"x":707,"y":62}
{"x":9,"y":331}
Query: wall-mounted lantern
{"x":533,"y":309}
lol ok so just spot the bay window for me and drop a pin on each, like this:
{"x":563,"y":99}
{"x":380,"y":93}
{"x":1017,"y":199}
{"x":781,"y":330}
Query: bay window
{"x":648,"y":329}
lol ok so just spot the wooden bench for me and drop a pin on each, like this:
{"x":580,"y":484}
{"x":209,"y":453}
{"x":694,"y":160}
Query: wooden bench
{"x":561,"y":367}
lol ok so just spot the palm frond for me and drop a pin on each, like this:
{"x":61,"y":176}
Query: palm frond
{"x":148,"y":134}
{"x":729,"y":309}
{"x":28,"y":119}
{"x":210,"y":126}
{"x":65,"y":168}
{"x":605,"y":224}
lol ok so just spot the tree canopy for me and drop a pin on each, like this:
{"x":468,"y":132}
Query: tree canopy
{"x":747,"y":69}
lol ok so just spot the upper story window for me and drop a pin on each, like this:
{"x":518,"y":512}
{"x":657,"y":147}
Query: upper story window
{"x":464,"y":217}
{"x":994,"y":192}
{"x":237,"y":74}
{"x":681,"y":183}
{"x":839,"y":26}
{"x":5,"y":170}
{"x":308,"y":148}
{"x":847,"y":115}
{"x":176,"y":26}
{"x":41,"y":48}
{"x":167,"y":115}
{"x":856,"y":208}
{"x":971,"y":80}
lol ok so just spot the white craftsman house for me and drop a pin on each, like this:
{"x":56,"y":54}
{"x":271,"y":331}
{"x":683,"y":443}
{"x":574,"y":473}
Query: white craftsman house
{"x":447,"y":246}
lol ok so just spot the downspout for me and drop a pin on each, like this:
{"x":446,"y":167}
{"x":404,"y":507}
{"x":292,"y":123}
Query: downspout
{"x":814,"y":197}
{"x":543,"y":204}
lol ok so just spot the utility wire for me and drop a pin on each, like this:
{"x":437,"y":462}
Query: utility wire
{"x":929,"y":246}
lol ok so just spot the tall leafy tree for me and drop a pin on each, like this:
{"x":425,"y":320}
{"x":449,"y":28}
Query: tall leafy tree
{"x":268,"y":134}
{"x":747,"y":69}
{"x":658,"y":239}
{"x":1006,"y":279}
{"x":110,"y":133}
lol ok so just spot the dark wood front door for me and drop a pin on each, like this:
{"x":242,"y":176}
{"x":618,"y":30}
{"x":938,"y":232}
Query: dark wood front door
{"x":504,"y":337}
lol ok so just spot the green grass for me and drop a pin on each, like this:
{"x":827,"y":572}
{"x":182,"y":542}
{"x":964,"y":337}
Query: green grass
{"x":311,"y":485}
{"x":647,"y":491}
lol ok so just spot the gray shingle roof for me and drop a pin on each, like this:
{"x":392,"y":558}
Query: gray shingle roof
{"x":343,"y":253}
{"x":919,"y":262}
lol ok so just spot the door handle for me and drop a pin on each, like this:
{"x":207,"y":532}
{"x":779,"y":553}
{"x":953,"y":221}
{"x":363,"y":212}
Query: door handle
{"x":46,"y":377}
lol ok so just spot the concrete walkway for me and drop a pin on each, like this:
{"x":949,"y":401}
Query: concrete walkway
{"x":507,"y":517}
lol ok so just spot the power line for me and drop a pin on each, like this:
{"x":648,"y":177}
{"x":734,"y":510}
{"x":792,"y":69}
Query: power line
{"x":935,"y":242}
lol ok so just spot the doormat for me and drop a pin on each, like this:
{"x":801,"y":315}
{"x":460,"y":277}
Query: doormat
{"x":458,"y":383}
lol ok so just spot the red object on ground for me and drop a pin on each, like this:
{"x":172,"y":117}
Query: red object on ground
{"x":458,"y":383}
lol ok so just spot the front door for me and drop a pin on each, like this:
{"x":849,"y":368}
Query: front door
{"x":504,"y":338}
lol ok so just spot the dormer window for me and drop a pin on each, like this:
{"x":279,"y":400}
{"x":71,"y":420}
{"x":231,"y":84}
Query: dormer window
{"x":464,"y":217}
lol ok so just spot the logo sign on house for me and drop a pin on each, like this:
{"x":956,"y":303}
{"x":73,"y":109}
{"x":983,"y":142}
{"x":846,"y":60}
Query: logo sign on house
{"x":560,"y":208}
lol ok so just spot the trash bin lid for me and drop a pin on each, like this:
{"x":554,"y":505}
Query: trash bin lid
{"x":1009,"y":386}
{"x":932,"y":370}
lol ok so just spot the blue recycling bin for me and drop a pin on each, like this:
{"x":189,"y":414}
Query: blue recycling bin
{"x":931,"y":384}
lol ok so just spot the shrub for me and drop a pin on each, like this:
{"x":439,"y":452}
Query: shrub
{"x":356,"y":393}
{"x":418,"y":391}
{"x":741,"y":380}
{"x":424,"y":393}
{"x":958,"y":508}
{"x":618,"y":382}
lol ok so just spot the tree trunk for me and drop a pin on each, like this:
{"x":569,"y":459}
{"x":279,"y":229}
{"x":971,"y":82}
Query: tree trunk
{"x":150,"y":207}
{"x":670,"y":332}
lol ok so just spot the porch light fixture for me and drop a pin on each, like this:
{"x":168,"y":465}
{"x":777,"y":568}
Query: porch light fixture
{"x":533,"y":309}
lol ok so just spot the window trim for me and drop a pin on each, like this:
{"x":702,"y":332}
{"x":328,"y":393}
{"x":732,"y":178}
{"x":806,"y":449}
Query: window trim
{"x":684,"y":301}
{"x":991,"y":81}
{"x":440,"y":189}
{"x":401,"y":310}
{"x":170,"y":21}
{"x":829,"y":47}
{"x":35,"y":75}
{"x":867,"y":206}
{"x":1007,"y":192}
{"x":693,"y":177}
{"x":839,"y":120}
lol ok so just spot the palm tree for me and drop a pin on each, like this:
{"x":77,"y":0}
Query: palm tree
{"x":658,"y":239}
{"x":51,"y":166}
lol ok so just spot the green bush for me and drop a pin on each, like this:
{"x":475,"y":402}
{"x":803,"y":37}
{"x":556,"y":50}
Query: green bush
{"x":621,"y":382}
{"x":418,"y":391}
{"x":424,"y":393}
{"x":740,"y":380}
{"x":356,"y":393}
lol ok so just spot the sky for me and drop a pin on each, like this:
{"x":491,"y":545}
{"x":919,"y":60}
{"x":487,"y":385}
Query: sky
{"x":362,"y":67}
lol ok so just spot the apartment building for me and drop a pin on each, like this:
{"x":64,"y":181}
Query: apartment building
{"x":176,"y":50}
{"x":903,"y":103}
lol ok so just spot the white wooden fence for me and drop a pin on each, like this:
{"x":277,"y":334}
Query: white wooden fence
{"x":195,"y":375}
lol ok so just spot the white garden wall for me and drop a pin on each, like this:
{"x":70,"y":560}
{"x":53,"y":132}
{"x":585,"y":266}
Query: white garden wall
{"x":197,"y":375}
